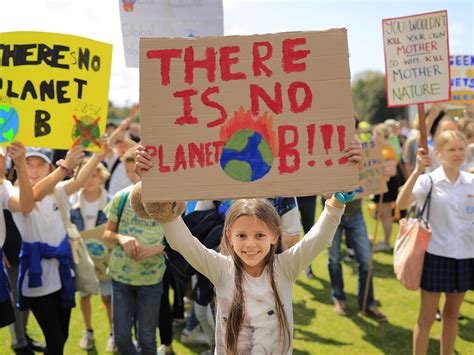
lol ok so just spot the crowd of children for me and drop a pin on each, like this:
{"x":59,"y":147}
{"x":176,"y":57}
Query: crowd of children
{"x":242,"y":266}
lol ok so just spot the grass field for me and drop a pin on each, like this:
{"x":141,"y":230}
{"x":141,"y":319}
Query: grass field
{"x":317,"y":329}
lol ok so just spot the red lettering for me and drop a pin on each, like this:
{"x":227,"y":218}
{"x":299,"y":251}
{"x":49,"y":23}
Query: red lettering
{"x":195,"y":151}
{"x":187,"y":117}
{"x":179,"y":158}
{"x":209,"y":162}
{"x":256,"y":92}
{"x":218,"y":149}
{"x":226,"y":61}
{"x":165,"y":55}
{"x":288,"y":149}
{"x":308,"y":97}
{"x":206,"y":101}
{"x":209,"y":63}
{"x":161,"y":164}
{"x":257,"y":63}
{"x":290,"y":55}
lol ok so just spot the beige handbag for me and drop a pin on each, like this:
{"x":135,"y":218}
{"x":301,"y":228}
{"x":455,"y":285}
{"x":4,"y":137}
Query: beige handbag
{"x":85,"y":278}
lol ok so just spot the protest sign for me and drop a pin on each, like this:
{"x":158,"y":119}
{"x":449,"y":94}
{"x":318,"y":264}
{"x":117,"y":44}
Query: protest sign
{"x":246,"y":116}
{"x":462,"y":79}
{"x":417,"y":59}
{"x":167,"y":18}
{"x":371,"y":178}
{"x":98,"y":250}
{"x":53,"y":89}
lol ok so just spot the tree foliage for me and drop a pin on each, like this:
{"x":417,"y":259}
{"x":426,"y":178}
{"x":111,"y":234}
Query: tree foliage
{"x":116,"y":113}
{"x":370,"y":98}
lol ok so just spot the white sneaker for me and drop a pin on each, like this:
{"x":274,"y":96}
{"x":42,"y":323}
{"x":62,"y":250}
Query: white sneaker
{"x":382,"y":246}
{"x":111,"y":348}
{"x":195,"y":336}
{"x":87,"y":341}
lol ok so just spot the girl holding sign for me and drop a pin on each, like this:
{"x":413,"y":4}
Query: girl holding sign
{"x":449,"y":261}
{"x":252,"y":277}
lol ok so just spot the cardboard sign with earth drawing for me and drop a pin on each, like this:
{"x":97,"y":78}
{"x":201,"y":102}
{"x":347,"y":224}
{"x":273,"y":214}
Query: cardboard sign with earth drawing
{"x":246,"y":116}
{"x":98,"y":249}
{"x":53,"y":89}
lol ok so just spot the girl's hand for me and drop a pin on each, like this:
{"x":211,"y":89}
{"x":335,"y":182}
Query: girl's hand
{"x":142,"y":160}
{"x":104,"y":142}
{"x":75,"y":156}
{"x":146,"y":252}
{"x":353,"y":152}
{"x":17,"y":152}
{"x":129,"y":244}
{"x":422,"y":161}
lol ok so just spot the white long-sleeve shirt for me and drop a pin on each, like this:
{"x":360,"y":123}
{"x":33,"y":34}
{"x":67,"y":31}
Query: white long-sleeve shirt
{"x":260,"y":330}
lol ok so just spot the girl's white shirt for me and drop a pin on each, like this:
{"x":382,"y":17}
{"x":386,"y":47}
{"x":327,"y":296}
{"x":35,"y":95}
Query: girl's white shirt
{"x":259,"y":333}
{"x":6,"y":189}
{"x":44,"y":224}
{"x":451,"y":214}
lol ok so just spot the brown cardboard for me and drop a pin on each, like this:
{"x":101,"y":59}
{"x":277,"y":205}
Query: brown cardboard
{"x":98,"y":250}
{"x":371,"y":178}
{"x":324,"y":72}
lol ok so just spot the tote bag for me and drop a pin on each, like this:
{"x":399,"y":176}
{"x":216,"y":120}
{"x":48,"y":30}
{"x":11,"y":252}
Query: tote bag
{"x":410,"y":247}
{"x":85,"y":278}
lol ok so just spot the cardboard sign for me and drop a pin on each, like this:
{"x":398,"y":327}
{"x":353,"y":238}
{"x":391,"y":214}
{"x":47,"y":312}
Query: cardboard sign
{"x":167,"y":18}
{"x":417,"y":59}
{"x":98,"y":250}
{"x":462,"y":79}
{"x":371,"y":178}
{"x":53,"y":89}
{"x":246,"y":116}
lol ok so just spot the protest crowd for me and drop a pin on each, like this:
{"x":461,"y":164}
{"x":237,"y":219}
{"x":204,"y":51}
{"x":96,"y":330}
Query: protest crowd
{"x":85,"y":222}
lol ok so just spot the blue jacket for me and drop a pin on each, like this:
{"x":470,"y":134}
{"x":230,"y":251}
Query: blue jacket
{"x":30,"y":260}
{"x":4,"y":285}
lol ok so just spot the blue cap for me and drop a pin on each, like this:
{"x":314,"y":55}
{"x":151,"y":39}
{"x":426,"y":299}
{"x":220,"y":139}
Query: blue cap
{"x":45,"y":153}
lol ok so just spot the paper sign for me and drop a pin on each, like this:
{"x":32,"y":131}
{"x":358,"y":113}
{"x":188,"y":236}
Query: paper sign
{"x":371,"y":178}
{"x":417,"y":58}
{"x":53,"y":89}
{"x":246,"y":116}
{"x":167,"y":18}
{"x":462,"y":79}
{"x":98,"y":250}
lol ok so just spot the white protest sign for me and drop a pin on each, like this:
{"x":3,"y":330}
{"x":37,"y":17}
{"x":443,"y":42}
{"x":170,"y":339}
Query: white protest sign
{"x":417,"y":59}
{"x":167,"y":18}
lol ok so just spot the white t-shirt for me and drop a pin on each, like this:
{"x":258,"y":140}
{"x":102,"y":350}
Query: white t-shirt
{"x":89,"y":213}
{"x":44,"y":224}
{"x":451,"y":214}
{"x":6,"y":189}
{"x":119,"y":179}
{"x":260,"y":331}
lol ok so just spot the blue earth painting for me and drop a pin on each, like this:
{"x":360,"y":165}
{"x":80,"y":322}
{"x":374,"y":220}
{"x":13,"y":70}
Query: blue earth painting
{"x":9,"y":123}
{"x":246,"y":156}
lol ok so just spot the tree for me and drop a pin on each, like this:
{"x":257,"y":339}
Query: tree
{"x":370,"y":98}
{"x":116,"y":113}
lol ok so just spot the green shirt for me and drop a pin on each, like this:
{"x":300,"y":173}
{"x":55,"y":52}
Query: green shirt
{"x":124,"y":269}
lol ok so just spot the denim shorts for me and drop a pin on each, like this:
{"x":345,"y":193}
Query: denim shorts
{"x":105,"y":289}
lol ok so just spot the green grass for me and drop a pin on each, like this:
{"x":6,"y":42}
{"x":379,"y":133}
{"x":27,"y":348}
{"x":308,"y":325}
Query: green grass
{"x":317,"y":328}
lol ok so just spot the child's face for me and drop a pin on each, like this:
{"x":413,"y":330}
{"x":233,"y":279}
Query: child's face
{"x":38,"y":168}
{"x":251,"y":240}
{"x":134,"y":178}
{"x":94,"y":181}
{"x":453,"y":153}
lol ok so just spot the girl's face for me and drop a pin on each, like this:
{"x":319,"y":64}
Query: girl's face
{"x":251,"y":240}
{"x":452,"y":154}
{"x":94,"y":181}
{"x":38,"y":168}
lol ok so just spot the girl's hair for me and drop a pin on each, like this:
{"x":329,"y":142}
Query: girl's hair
{"x":264,"y":211}
{"x":103,"y":171}
{"x":446,"y":137}
{"x":129,"y":156}
{"x":382,"y":130}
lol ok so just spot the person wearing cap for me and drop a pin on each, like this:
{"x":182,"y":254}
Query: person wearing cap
{"x":45,"y":282}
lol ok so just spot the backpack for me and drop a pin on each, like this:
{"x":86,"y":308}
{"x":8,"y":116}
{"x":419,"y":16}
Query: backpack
{"x":207,"y":226}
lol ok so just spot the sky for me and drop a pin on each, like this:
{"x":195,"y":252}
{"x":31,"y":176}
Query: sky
{"x":100,"y":20}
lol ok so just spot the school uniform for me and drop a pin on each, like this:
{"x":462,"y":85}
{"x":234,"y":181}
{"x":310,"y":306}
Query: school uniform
{"x":449,"y":260}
